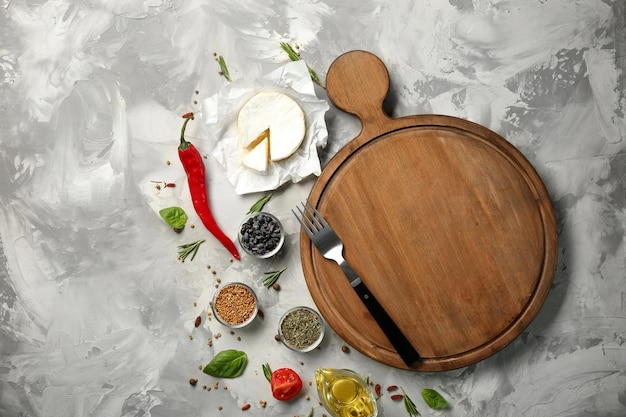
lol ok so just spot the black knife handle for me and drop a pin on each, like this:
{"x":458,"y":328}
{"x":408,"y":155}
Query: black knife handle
{"x":404,"y":348}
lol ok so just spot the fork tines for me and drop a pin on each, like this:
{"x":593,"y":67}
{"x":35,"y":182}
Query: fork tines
{"x":310,"y":219}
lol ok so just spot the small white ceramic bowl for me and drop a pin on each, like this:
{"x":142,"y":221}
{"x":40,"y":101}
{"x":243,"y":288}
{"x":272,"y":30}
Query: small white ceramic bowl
{"x":301,"y":329}
{"x":235,"y":305}
{"x":261,"y":235}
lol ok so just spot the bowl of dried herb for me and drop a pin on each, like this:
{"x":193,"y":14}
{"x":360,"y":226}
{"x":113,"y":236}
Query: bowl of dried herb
{"x":301,"y":329}
{"x":235,"y":305}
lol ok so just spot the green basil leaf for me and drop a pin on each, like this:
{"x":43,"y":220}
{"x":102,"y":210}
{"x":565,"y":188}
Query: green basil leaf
{"x":175,"y":217}
{"x":434,"y":399}
{"x":227,"y":364}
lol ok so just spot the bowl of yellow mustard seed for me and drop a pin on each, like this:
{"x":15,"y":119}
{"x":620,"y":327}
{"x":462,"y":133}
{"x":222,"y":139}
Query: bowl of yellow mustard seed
{"x":235,"y":305}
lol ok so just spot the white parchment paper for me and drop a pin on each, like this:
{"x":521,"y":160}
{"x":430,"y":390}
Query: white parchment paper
{"x":220,"y":113}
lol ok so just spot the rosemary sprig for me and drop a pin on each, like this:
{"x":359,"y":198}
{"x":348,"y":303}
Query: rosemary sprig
{"x":258,"y":206}
{"x":223,"y":68}
{"x":189,"y":249}
{"x":272,"y":277}
{"x":409,"y":405}
{"x":267,"y":371}
{"x":294,"y":56}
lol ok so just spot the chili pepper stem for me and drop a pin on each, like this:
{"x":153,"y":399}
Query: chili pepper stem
{"x":183,"y":143}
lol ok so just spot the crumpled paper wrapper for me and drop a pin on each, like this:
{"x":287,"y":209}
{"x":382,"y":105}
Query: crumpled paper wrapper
{"x":220,"y":113}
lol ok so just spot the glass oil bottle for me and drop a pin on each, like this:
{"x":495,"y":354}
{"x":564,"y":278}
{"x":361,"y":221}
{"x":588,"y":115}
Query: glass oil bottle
{"x":344,"y":393}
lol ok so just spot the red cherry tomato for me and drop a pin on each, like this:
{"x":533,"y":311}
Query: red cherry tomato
{"x":286,"y":384}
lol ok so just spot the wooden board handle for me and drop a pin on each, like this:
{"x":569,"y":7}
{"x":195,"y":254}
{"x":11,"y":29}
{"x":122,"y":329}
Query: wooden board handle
{"x":358,"y":82}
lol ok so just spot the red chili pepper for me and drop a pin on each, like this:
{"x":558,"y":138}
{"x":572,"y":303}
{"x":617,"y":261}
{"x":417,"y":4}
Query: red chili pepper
{"x":194,"y":167}
{"x":397,"y":397}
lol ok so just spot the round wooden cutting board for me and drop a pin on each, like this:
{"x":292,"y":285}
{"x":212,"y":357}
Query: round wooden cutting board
{"x":446,"y":222}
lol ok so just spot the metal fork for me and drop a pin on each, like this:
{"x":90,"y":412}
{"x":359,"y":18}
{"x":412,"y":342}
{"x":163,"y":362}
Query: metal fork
{"x":331,"y":247}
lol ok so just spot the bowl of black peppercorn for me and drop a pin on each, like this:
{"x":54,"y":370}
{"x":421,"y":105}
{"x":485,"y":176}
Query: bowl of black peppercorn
{"x":261,"y":235}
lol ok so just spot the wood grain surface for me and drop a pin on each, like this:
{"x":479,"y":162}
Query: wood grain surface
{"x":445,"y":221}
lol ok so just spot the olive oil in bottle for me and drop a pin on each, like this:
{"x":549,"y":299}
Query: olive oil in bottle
{"x":344,"y":393}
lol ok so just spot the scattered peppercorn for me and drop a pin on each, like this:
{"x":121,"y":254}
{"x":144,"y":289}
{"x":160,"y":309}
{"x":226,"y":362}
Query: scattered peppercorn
{"x":193,"y":381}
{"x":276,"y":286}
{"x":277,"y":337}
{"x":345,"y":349}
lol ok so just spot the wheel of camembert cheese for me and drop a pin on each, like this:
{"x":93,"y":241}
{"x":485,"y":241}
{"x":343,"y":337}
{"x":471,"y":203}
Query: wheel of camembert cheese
{"x":271,"y":128}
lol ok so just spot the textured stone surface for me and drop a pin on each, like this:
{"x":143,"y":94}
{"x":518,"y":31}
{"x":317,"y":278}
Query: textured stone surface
{"x":96,"y":312}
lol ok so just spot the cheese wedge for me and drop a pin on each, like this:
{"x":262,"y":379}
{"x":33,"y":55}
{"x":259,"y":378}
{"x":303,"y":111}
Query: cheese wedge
{"x":277,"y":113}
{"x":258,"y":157}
